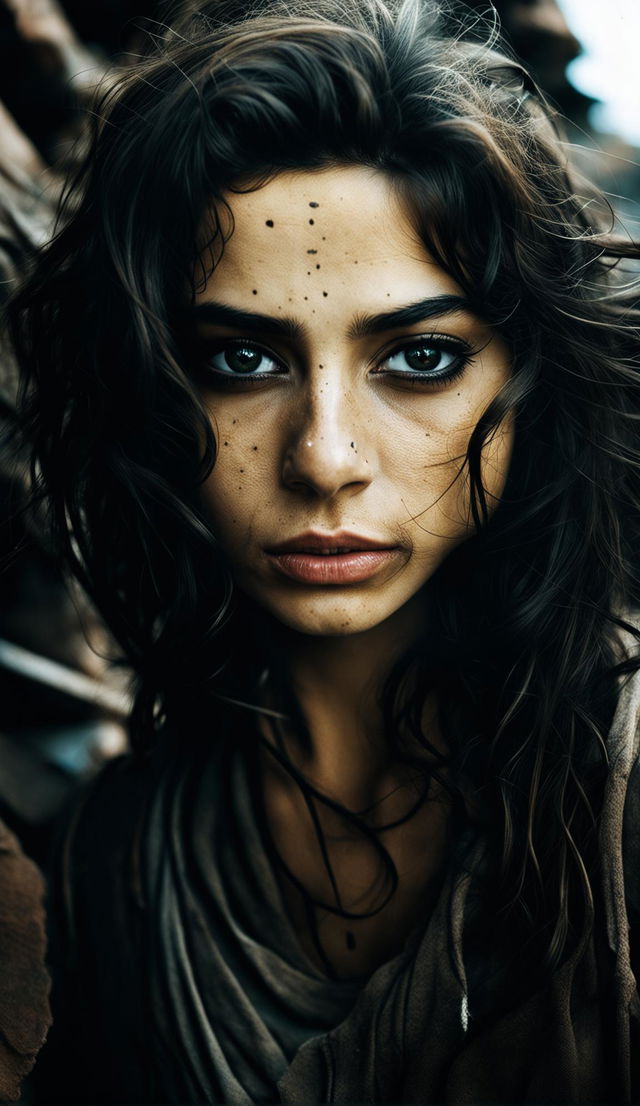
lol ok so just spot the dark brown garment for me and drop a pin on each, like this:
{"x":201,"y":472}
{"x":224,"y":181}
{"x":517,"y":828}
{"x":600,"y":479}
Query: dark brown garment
{"x":181,"y":979}
{"x":24,"y":982}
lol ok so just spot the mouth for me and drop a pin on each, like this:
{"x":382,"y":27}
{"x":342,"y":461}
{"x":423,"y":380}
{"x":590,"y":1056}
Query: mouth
{"x":331,"y":559}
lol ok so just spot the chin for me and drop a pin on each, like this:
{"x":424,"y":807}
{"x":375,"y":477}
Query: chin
{"x":327,"y":618}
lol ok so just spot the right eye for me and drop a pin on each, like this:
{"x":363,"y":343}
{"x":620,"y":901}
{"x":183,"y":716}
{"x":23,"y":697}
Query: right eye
{"x":244,"y":360}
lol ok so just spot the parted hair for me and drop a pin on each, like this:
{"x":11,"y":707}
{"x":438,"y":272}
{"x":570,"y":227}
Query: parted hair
{"x":522,"y":648}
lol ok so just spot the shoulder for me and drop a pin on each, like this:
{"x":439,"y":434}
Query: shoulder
{"x":93,"y":872}
{"x":103,"y":812}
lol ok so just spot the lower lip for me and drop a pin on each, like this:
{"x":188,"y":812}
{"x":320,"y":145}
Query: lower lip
{"x":332,"y":568}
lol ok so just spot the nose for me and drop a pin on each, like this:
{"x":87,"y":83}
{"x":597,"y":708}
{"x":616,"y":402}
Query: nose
{"x":326,"y":450}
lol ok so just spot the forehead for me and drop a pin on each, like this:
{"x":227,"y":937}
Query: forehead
{"x":323,"y":238}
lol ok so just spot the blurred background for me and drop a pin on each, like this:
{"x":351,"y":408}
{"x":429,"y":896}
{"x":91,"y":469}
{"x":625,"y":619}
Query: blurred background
{"x":64,"y":695}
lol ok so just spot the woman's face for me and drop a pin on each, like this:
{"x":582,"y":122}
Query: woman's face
{"x":344,"y":375}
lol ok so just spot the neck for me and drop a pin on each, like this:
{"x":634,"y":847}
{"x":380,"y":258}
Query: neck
{"x":337,"y":681}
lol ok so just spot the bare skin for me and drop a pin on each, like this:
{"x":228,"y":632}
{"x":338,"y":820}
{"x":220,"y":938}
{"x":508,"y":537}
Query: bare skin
{"x":346,"y":420}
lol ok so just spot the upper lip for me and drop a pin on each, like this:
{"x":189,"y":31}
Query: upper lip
{"x":315,"y":542}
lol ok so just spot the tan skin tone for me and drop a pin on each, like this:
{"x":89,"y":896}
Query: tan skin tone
{"x":356,"y":420}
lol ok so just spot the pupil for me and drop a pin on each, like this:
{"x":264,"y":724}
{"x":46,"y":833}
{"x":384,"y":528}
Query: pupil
{"x":423,"y":357}
{"x":243,"y":360}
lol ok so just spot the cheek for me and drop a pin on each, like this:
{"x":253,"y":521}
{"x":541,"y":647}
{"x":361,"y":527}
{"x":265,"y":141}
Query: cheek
{"x":241,"y":478}
{"x":433,"y":475}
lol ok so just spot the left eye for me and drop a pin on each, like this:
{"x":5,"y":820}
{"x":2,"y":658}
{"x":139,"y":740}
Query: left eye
{"x":243,"y":360}
{"x":427,"y":359}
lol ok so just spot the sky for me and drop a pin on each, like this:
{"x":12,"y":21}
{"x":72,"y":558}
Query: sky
{"x":609,"y":31}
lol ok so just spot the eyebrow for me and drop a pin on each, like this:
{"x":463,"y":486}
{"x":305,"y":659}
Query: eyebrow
{"x":220,"y":314}
{"x":363,"y":325}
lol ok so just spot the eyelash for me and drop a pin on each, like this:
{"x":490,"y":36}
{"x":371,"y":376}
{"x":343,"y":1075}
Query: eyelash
{"x":440,"y":343}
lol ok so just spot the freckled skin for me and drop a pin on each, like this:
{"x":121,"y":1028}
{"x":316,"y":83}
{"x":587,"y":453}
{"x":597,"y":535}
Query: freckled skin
{"x":337,"y":444}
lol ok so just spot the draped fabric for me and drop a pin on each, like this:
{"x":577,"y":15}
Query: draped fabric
{"x":184,"y":980}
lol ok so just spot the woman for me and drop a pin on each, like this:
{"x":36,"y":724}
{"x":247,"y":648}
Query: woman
{"x":331,"y":382}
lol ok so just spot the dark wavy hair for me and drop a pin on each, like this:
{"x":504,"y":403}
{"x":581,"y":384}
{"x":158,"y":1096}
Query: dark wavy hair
{"x":527,"y":612}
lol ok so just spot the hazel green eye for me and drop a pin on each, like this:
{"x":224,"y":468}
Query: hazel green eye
{"x":243,"y":360}
{"x":428,"y":359}
{"x":423,"y":358}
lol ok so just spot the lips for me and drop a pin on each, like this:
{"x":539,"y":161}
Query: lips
{"x":328,"y":544}
{"x":326,"y":559}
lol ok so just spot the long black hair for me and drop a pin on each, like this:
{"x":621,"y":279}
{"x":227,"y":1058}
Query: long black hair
{"x":526,"y":613}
